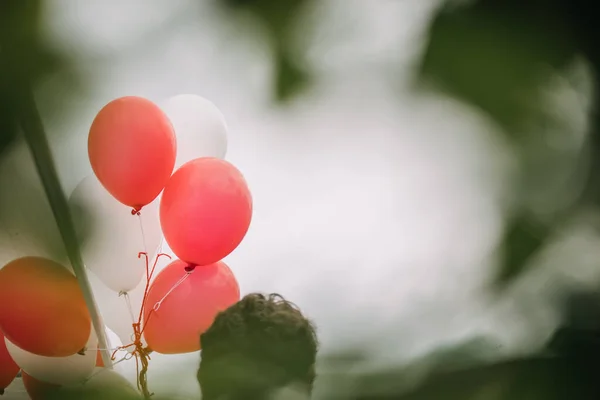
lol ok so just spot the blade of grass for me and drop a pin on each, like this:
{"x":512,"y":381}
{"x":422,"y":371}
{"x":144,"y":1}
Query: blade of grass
{"x":33,"y":130}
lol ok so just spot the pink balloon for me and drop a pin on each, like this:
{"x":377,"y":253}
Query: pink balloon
{"x":132,"y":149}
{"x":205,"y":210}
{"x":177,"y":311}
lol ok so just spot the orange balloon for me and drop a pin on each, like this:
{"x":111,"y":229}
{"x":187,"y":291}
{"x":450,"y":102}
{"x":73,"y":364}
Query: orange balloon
{"x":175,"y":320}
{"x":42,"y":309}
{"x":8,"y":368}
{"x":36,"y":389}
{"x":132,"y":149}
{"x":205,"y":210}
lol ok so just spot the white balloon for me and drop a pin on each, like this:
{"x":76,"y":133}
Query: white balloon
{"x":199,"y":126}
{"x":57,"y":370}
{"x":112,"y":237}
{"x":114,"y":307}
{"x":122,"y":359}
{"x":114,"y":343}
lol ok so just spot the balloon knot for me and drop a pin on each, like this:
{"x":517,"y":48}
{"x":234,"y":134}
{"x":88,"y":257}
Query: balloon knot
{"x":1,"y":392}
{"x":82,"y":352}
{"x":190,"y":268}
{"x":136,"y":210}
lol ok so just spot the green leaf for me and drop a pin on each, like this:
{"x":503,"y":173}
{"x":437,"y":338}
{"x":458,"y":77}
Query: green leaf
{"x":497,"y":56}
{"x":523,"y":238}
{"x":278,"y":19}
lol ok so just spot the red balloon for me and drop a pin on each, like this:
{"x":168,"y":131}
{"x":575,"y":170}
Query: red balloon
{"x":8,"y":368}
{"x":42,"y":309}
{"x":36,"y":389}
{"x":177,"y":312}
{"x":132,"y":149}
{"x":205,"y":210}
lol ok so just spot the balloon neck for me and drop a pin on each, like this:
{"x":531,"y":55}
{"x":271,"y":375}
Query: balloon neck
{"x":1,"y":391}
{"x":190,"y":268}
{"x":82,"y":352}
{"x":136,"y":210}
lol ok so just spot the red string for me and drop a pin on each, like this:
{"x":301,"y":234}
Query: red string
{"x":141,"y":353}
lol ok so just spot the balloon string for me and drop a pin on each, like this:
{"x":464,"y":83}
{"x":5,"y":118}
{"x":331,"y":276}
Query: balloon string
{"x":179,"y":282}
{"x":129,"y":307}
{"x":100,"y":349}
{"x":139,"y":215}
{"x":89,"y":378}
{"x":159,"y":248}
{"x":101,"y":370}
{"x":157,"y":305}
{"x":141,"y":353}
{"x":149,"y":275}
{"x":125,"y":358}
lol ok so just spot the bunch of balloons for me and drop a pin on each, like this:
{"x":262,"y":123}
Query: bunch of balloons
{"x":160,"y":176}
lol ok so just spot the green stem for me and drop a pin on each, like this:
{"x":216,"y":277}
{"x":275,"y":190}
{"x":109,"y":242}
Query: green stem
{"x":33,"y":130}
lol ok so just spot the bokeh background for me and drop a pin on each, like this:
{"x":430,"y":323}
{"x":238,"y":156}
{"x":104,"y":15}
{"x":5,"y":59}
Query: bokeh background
{"x":424,"y":172}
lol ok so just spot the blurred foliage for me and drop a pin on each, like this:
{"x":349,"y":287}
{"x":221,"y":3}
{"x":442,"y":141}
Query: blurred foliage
{"x":565,"y":369}
{"x":523,"y":238}
{"x":279,"y":21}
{"x":31,"y":65}
{"x":397,"y":380}
{"x":26,"y":58}
{"x":26,"y":212}
{"x":26,"y":62}
{"x":83,"y":221}
{"x":498,"y":56}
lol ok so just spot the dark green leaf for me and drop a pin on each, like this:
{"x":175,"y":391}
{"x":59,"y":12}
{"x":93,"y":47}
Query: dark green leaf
{"x":289,"y":78}
{"x":523,"y":238}
{"x":497,"y":56}
{"x":278,"y":19}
